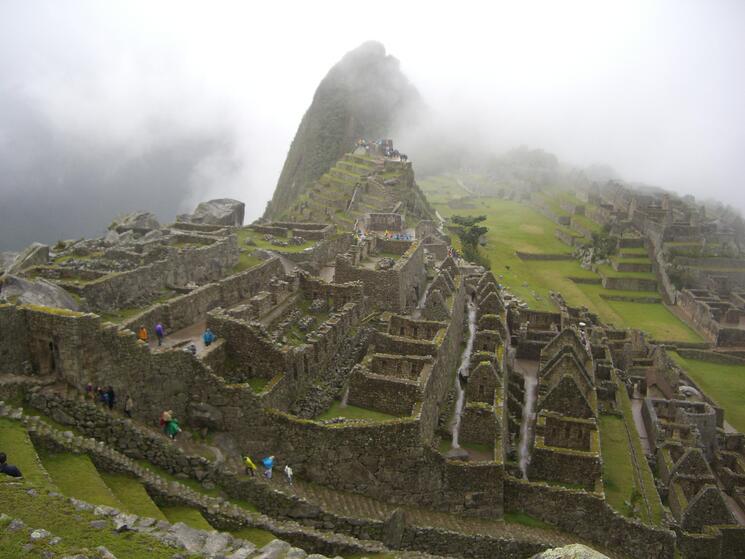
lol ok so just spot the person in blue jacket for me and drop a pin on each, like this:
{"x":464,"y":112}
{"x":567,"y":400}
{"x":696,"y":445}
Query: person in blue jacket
{"x":268,"y":463}
{"x":208,"y":337}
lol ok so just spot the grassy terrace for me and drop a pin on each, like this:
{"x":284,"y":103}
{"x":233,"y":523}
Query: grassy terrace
{"x":725,"y":384}
{"x":620,"y":479}
{"x":517,"y":227}
{"x":642,"y":252}
{"x":607,"y":270}
{"x":353,"y":412}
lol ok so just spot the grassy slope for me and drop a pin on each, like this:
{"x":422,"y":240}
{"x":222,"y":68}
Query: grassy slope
{"x":131,"y":493}
{"x":76,"y":476}
{"x":618,"y":471}
{"x":725,"y":384}
{"x":189,"y":516}
{"x":15,"y":443}
{"x":515,"y":226}
{"x":62,"y":519}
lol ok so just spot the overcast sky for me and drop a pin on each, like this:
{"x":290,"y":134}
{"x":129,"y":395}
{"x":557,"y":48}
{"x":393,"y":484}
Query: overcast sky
{"x":157,"y":105}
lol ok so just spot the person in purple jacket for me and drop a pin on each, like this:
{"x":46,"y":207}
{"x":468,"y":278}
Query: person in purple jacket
{"x":160,"y":332}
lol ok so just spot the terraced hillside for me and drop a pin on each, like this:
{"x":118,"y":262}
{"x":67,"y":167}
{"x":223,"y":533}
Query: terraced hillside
{"x":358,"y":184}
{"x":361,"y":97}
{"x":50,"y":476}
{"x":547,"y":264}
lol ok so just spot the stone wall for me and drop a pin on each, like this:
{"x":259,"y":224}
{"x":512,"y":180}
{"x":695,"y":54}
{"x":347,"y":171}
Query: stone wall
{"x":395,"y":289}
{"x":324,"y":251}
{"x":385,"y":393}
{"x":193,"y":307}
{"x":478,"y":424}
{"x":14,"y":341}
{"x":198,"y":265}
{"x":588,"y":516}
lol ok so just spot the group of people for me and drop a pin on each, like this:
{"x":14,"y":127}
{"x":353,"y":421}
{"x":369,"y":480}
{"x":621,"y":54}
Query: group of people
{"x":160,"y":332}
{"x":268,"y":464}
{"x":398,"y":236}
{"x":107,"y":397}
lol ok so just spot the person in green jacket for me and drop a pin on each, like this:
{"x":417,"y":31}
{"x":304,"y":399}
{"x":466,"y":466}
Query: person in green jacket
{"x":172,"y":428}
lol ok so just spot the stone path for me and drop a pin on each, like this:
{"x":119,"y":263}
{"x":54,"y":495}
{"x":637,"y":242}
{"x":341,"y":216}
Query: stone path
{"x":358,"y":506}
{"x":191,"y":333}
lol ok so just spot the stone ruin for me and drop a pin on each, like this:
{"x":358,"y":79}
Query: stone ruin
{"x":472,"y":407}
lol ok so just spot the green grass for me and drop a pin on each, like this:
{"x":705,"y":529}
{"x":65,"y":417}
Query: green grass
{"x":195,"y":485}
{"x":256,"y":536}
{"x":258,"y":239}
{"x":645,"y":482}
{"x":656,"y":320}
{"x":189,"y":516}
{"x":76,"y":476}
{"x":246,"y":261}
{"x":608,"y":271}
{"x":619,"y":475}
{"x":640,"y":251}
{"x":618,"y":470}
{"x":725,"y":384}
{"x":15,"y":443}
{"x":515,"y":226}
{"x":258,"y":384}
{"x":62,"y":519}
{"x":353,"y":412}
{"x":132,"y":494}
{"x":587,"y":223}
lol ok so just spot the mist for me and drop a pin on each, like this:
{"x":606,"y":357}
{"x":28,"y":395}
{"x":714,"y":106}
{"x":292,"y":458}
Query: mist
{"x":118,"y":106}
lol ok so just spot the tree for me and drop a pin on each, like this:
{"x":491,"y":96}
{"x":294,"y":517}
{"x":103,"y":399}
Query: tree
{"x":469,"y":233}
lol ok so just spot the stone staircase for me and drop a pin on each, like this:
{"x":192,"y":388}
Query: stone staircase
{"x":217,"y":510}
{"x":356,"y":506}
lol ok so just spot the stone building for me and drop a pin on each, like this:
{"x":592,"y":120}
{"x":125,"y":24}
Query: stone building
{"x":567,"y":445}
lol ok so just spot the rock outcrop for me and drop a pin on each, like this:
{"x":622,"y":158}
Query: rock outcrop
{"x":36,"y":292}
{"x":221,"y":211}
{"x":362,"y":96}
{"x":36,"y":254}
{"x":139,"y":222}
{"x":573,"y":551}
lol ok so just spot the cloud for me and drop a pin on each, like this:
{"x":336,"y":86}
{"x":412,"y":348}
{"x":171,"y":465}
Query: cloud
{"x":112,"y":106}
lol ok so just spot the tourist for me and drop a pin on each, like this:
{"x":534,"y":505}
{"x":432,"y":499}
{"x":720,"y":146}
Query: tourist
{"x":110,"y":397}
{"x":160,"y":332}
{"x":101,"y":394}
{"x":128,"y":405}
{"x":8,"y":469}
{"x":165,"y":417}
{"x":208,"y":337}
{"x":89,"y":392}
{"x":250,"y":466}
{"x":172,"y":428}
{"x":142,"y":334}
{"x":268,"y":463}
{"x":288,"y":473}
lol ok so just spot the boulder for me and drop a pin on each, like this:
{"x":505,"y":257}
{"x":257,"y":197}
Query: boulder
{"x":6,"y":260}
{"x":222,"y":211}
{"x":36,"y":254}
{"x":573,"y":551}
{"x":36,"y":292}
{"x":139,"y":222}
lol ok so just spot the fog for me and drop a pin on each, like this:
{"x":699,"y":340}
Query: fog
{"x":108,"y":107}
